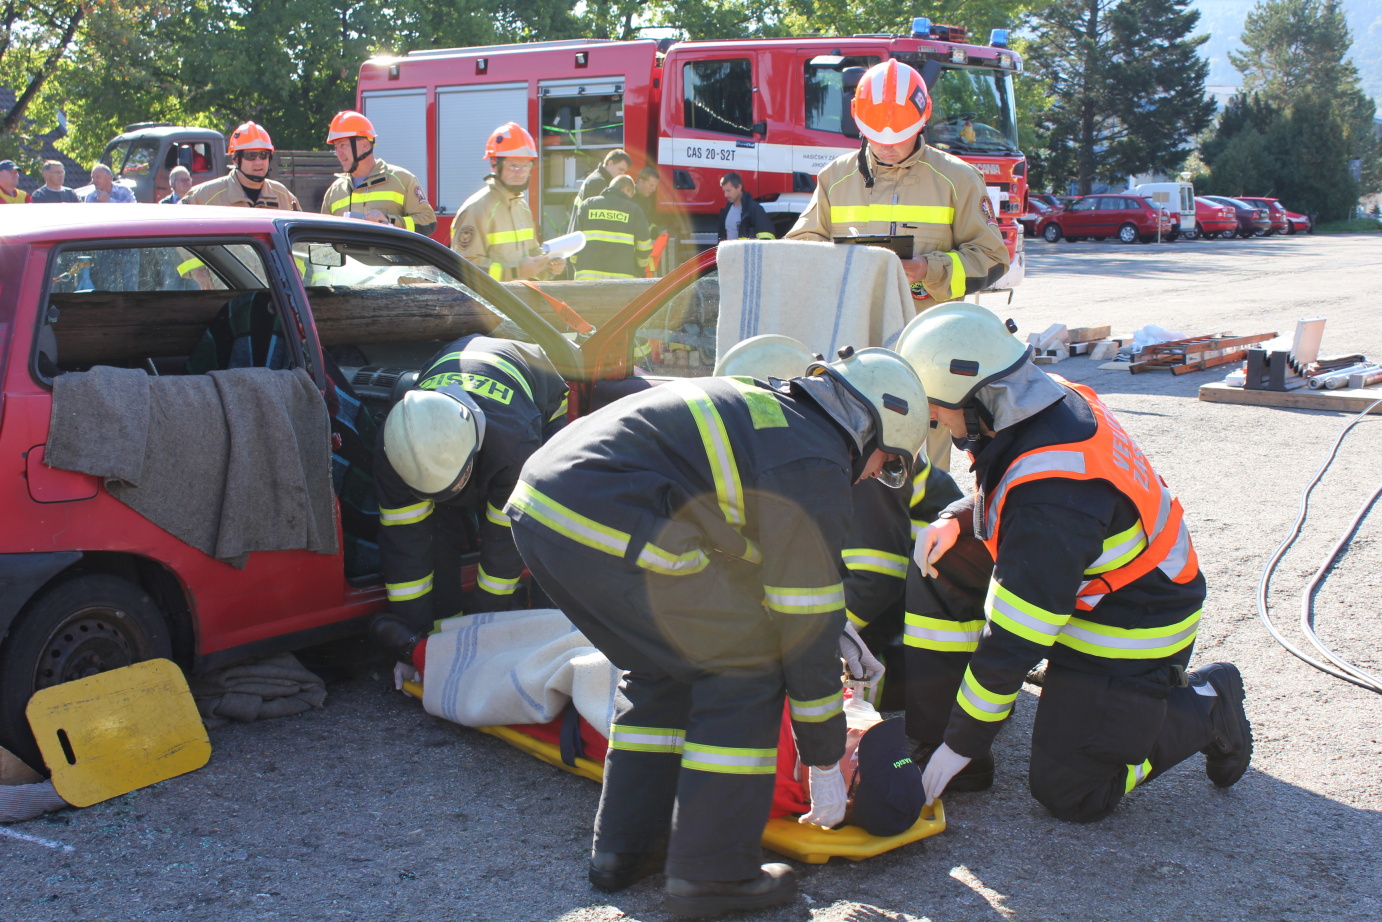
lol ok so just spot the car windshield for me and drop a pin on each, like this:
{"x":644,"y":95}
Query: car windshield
{"x":972,"y":110}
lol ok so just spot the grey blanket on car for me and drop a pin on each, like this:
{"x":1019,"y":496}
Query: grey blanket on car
{"x":230,"y":462}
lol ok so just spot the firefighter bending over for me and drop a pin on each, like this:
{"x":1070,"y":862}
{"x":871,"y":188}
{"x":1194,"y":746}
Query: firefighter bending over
{"x":371,"y":189}
{"x":617,"y":242}
{"x":1089,"y":565}
{"x":693,"y":533}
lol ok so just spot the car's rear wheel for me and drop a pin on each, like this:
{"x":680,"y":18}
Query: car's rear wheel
{"x":1128,"y":233}
{"x":1228,"y":234}
{"x":1052,"y":233}
{"x":1194,"y":233}
{"x":1290,"y":228}
{"x":76,"y":628}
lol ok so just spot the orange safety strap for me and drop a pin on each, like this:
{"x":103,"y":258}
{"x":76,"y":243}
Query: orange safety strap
{"x":655,"y":257}
{"x":565,"y":311}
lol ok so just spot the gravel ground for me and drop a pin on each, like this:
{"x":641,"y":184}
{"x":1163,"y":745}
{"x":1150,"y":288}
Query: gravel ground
{"x":372,"y":809}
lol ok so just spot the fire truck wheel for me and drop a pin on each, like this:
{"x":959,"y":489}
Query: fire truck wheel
{"x":1128,"y":233}
{"x":79,"y":627}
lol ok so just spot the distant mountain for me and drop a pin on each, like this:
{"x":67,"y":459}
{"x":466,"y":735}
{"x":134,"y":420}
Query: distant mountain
{"x":1223,"y":20}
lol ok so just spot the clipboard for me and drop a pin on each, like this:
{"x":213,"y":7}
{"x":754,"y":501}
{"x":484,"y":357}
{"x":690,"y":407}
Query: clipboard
{"x":901,"y":244}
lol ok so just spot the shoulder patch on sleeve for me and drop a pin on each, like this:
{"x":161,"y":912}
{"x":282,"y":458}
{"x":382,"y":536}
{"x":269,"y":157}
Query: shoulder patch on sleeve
{"x":466,"y":236}
{"x":986,"y":206}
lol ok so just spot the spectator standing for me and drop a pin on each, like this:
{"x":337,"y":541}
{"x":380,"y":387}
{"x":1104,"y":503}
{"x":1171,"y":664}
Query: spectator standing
{"x":10,"y":193}
{"x":107,"y":190}
{"x":742,"y":216}
{"x":616,"y":233}
{"x":181,"y":183}
{"x":53,"y":191}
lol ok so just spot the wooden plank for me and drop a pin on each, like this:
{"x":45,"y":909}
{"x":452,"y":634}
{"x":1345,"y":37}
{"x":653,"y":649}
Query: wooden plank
{"x":1344,"y":400}
{"x":1089,"y":334}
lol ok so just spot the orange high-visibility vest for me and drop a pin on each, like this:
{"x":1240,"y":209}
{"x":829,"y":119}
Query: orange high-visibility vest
{"x":1160,"y":540}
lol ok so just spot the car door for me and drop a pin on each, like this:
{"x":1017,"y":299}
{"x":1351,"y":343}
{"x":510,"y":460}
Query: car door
{"x":1079,"y":219}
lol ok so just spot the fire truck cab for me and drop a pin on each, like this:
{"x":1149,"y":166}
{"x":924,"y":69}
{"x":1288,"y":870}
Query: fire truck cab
{"x":774,"y":111}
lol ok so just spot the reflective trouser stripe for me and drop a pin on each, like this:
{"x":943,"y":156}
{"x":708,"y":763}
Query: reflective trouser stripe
{"x":496,"y":517}
{"x":586,"y":274}
{"x":1119,"y":550}
{"x":875,"y":561}
{"x":646,"y":739}
{"x":609,"y":237}
{"x":496,"y":585}
{"x":937,"y":634}
{"x":882,"y":211}
{"x":1137,"y":774}
{"x":1030,"y":622}
{"x":496,"y":271}
{"x":413,"y":589}
{"x":729,"y":760}
{"x":498,"y":361}
{"x":406,"y":515}
{"x":654,"y":558}
{"x":819,"y":710}
{"x":729,"y":492}
{"x":957,"y":275}
{"x":980,"y":703}
{"x":513,"y":236}
{"x":1129,"y":643}
{"x":804,"y":601}
{"x":764,"y":235}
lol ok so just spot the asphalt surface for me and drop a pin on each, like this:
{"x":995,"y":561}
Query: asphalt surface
{"x":373,"y":809}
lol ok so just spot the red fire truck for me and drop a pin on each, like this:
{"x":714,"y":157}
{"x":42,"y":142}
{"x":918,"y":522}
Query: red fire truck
{"x":774,"y":111}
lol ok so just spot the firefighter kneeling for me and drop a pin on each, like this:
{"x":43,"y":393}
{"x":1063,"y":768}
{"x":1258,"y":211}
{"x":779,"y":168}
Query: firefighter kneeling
{"x":1089,"y":565}
{"x":693,"y":533}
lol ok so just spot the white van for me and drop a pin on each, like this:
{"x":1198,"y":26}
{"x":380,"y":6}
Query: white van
{"x":1174,"y":196}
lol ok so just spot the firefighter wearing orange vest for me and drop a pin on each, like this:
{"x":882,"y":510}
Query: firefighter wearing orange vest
{"x":494,"y":228}
{"x":369,"y":188}
{"x":897,"y":184}
{"x":1090,"y":568}
{"x":248,"y":184}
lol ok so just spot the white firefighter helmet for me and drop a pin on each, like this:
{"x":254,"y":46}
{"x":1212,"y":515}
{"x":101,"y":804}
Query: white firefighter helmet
{"x":894,"y":395}
{"x":431,"y":438}
{"x":770,"y":355}
{"x":958,"y":348}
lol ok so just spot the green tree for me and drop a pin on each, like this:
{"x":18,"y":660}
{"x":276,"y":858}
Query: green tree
{"x":34,"y":38}
{"x":1126,"y":84}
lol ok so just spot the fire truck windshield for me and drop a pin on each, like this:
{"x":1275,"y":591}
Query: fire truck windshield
{"x":972,"y":111}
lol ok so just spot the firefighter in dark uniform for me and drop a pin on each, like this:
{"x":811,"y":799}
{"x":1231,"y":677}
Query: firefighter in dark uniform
{"x":693,"y":532}
{"x":1089,"y":566}
{"x":617,"y":242}
{"x":884,"y":525}
{"x":450,"y":454}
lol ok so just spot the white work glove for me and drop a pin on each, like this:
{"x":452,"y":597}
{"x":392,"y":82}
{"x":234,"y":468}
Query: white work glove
{"x":945,"y":763}
{"x":828,"y":797}
{"x":863,"y":667}
{"x":935,"y":539}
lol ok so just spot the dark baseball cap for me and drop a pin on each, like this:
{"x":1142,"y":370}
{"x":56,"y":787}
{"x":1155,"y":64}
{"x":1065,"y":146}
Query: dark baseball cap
{"x":8,"y":165}
{"x":888,"y":793}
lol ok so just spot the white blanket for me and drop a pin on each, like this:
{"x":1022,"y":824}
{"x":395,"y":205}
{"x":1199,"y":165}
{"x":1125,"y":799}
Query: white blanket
{"x":516,"y":667}
{"x":825,"y":295}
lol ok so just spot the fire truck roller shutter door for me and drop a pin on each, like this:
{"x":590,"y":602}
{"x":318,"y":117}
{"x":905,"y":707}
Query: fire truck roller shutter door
{"x":461,"y":163}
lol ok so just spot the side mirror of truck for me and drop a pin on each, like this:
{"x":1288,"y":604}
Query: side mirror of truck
{"x":852,"y":76}
{"x":759,"y":128}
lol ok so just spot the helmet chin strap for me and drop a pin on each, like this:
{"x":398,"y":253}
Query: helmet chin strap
{"x":245,"y":178}
{"x":497,"y":164}
{"x":356,"y":154}
{"x":977,"y":417}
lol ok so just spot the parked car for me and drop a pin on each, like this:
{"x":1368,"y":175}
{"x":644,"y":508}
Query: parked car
{"x":1036,"y":210}
{"x":1176,"y":197}
{"x":1297,"y":223}
{"x":1048,"y":199}
{"x":1213,"y":219}
{"x":1275,"y":212}
{"x":1128,"y":217}
{"x":87,"y":583}
{"x":1252,"y":219}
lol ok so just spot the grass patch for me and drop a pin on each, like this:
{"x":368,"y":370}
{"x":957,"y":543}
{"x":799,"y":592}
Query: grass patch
{"x":1354,"y":226}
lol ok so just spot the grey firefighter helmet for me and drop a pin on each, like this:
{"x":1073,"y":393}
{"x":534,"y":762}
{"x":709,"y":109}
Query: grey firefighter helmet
{"x":893,"y":394}
{"x":431,"y":439}
{"x":769,"y":355}
{"x":956,"y":349}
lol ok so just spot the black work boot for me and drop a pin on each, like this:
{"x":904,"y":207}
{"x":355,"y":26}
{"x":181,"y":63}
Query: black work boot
{"x":613,"y":871}
{"x":704,"y":899}
{"x":1227,"y":757}
{"x":394,"y":636}
{"x":976,"y":776}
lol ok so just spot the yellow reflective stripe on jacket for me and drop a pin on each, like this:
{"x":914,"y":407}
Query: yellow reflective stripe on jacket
{"x":875,"y":561}
{"x":765,"y":235}
{"x":412,"y":589}
{"x":957,"y":275}
{"x":919,"y":481}
{"x":1119,"y":550}
{"x":980,"y":703}
{"x":407,"y":223}
{"x":496,"y":271}
{"x":654,"y":558}
{"x":1137,"y":774}
{"x":1030,"y":622}
{"x":498,"y":361}
{"x":882,"y":211}
{"x":729,"y":760}
{"x":855,"y":619}
{"x":729,"y":492}
{"x":189,"y":265}
{"x":512,"y":236}
{"x":927,"y":633}
{"x":585,"y":274}
{"x":1129,"y":643}
{"x":819,"y":710}
{"x":646,"y":739}
{"x":406,"y":515}
{"x":495,"y":585}
{"x":497,"y":517}
{"x":764,"y":410}
{"x":791,"y":600}
{"x":611,"y":237}
{"x":562,"y":409}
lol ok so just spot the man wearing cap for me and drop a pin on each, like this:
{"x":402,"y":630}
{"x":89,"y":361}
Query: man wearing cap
{"x":10,"y":193}
{"x":247,"y":185}
{"x":371,"y":189}
{"x":692,"y":532}
{"x":450,"y":452}
{"x":1090,"y":567}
